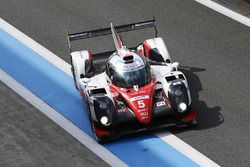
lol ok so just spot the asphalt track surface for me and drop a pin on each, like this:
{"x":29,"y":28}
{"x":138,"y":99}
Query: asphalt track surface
{"x":29,"y":138}
{"x":213,"y":49}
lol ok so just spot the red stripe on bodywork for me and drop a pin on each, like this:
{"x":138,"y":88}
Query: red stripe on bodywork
{"x":142,"y":108}
{"x":147,"y":48}
{"x":191,"y":116}
{"x":100,"y":132}
{"x":90,"y":55}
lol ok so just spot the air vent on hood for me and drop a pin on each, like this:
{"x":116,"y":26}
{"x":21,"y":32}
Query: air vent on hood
{"x":128,"y":58}
{"x":98,"y":91}
{"x":174,"y":77}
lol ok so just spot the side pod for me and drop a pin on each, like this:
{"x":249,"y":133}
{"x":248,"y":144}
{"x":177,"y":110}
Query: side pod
{"x":80,"y":65}
{"x":155,"y":49}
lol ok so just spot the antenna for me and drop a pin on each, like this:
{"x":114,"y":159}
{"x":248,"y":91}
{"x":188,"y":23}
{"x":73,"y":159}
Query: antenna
{"x":68,"y":40}
{"x":116,"y":38}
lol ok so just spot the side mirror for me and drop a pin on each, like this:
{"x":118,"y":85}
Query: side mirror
{"x":175,"y":65}
{"x":85,"y":80}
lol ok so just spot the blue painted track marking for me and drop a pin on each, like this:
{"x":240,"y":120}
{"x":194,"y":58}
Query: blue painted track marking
{"x":56,"y":88}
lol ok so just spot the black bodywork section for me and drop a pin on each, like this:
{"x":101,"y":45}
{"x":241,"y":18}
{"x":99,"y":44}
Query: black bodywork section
{"x":123,"y":121}
{"x":178,"y":94}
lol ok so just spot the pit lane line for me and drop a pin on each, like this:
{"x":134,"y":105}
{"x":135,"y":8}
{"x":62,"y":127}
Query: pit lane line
{"x":225,"y":11}
{"x":175,"y":142}
{"x":60,"y":120}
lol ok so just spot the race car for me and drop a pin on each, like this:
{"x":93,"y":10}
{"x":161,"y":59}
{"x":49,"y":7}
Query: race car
{"x":133,"y":89}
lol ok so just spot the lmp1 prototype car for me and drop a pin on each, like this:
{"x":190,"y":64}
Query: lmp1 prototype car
{"x":136,"y":89}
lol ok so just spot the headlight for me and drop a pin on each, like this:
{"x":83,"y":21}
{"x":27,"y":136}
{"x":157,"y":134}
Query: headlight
{"x":104,"y":120}
{"x":103,"y":106}
{"x":182,"y":107}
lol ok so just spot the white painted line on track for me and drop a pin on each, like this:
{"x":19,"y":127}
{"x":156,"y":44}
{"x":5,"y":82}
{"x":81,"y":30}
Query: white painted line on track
{"x":187,"y":150}
{"x":77,"y":133}
{"x":102,"y":152}
{"x":32,"y":44}
{"x":225,"y":11}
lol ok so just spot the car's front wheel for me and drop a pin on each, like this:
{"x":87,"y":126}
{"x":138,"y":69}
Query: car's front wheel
{"x":100,"y":135}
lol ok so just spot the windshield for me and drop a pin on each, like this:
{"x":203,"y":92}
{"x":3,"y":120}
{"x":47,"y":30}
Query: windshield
{"x":128,"y":79}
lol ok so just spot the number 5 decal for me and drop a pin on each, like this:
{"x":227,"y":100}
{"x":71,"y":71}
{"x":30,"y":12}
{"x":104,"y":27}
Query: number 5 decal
{"x":141,"y":104}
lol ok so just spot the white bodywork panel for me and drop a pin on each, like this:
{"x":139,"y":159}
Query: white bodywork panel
{"x":98,"y":81}
{"x":78,"y":63}
{"x":163,"y":71}
{"x":160,"y":71}
{"x":160,"y":45}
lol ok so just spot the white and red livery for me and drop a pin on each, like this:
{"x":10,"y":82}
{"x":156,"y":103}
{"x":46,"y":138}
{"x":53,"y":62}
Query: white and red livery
{"x":133,"y":89}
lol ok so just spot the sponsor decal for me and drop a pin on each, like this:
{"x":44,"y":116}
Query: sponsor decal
{"x":143,"y":110}
{"x":139,"y":98}
{"x":139,"y":92}
{"x":144,"y":117}
{"x":122,"y":110}
{"x":160,"y":103}
{"x":144,"y":113}
{"x":131,"y":67}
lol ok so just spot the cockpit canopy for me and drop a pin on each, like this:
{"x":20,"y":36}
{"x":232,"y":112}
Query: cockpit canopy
{"x":126,"y":74}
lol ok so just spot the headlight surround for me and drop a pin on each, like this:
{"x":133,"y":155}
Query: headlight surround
{"x":104,"y":110}
{"x":178,"y":96}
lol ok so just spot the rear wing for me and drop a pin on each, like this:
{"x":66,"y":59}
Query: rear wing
{"x":107,"y":31}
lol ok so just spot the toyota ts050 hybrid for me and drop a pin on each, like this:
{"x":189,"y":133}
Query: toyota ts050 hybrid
{"x":133,"y":89}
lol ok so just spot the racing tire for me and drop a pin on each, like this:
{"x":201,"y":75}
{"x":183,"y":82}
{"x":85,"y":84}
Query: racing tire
{"x":74,"y":77}
{"x":92,"y":124}
{"x":103,"y":139}
{"x":97,"y":138}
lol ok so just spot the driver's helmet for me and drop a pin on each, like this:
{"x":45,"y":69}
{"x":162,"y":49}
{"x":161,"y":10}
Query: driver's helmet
{"x":127,"y":71}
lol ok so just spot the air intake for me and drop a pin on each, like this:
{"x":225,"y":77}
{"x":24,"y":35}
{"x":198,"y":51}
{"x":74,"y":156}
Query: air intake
{"x":128,"y":58}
